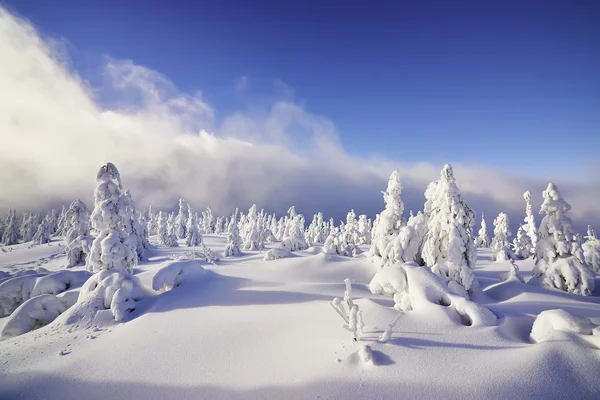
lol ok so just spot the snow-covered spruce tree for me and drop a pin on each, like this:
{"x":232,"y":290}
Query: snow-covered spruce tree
{"x":406,"y":247}
{"x":295,"y":239}
{"x":137,"y":230}
{"x":52,"y":221}
{"x":114,"y":249}
{"x":62,"y":226}
{"x":521,"y":245}
{"x":559,"y":259}
{"x":251,"y":234}
{"x":172,"y":226}
{"x":448,"y":247}
{"x":78,"y":237}
{"x":193,"y":237}
{"x":208,"y":221}
{"x":113,"y":252}
{"x":234,"y":241}
{"x":219,"y":226}
{"x":482,"y":239}
{"x":30,"y":225}
{"x":334,"y":244}
{"x":350,"y":232}
{"x":364,"y":230}
{"x":530,"y":226}
{"x":500,"y":243}
{"x":181,"y":220}
{"x":162,"y":230}
{"x":591,"y":250}
{"x":11,"y":231}
{"x":389,"y":220}
{"x":42,"y":236}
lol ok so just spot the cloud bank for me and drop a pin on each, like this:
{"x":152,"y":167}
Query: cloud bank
{"x":55,"y":134}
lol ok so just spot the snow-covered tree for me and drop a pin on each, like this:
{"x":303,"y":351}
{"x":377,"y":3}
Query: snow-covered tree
{"x":334,"y":244}
{"x":295,"y":238}
{"x":530,"y":227}
{"x":172,"y":226}
{"x":234,"y":241}
{"x":62,"y":226}
{"x":251,"y":234}
{"x":51,"y":220}
{"x":42,"y":236}
{"x":78,"y":237}
{"x":522,"y":245}
{"x":137,"y":229}
{"x":29,"y":227}
{"x":114,"y":249}
{"x":152,"y":222}
{"x":208,"y":221}
{"x":219,"y":226}
{"x":11,"y":230}
{"x":482,"y":240}
{"x":559,"y":259}
{"x":500,"y":242}
{"x":193,"y":237}
{"x":406,"y":246}
{"x":390,"y":219}
{"x":448,"y":247}
{"x":350,"y":233}
{"x":591,"y":250}
{"x":364,"y":230}
{"x":181,"y":220}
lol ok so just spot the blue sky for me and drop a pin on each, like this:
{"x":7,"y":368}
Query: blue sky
{"x":504,"y":84}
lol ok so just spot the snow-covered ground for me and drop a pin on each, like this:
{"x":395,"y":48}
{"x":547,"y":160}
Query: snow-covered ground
{"x":253,"y":329}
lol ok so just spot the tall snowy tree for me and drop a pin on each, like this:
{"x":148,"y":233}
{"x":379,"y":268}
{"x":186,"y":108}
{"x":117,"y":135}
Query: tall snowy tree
{"x":193,"y":237}
{"x":11,"y":230}
{"x":62,"y":226}
{"x":232,"y":248}
{"x":522,"y":245}
{"x":78,"y":237}
{"x":251,"y":234}
{"x":530,"y":227}
{"x":559,"y":259}
{"x":181,"y":220}
{"x":350,"y":233}
{"x":500,"y":242}
{"x":364,"y":230}
{"x":389,"y":220}
{"x":114,"y":249}
{"x":448,"y":247}
{"x":482,"y":240}
{"x":137,"y":230}
{"x":42,"y":236}
{"x":172,"y":226}
{"x":208,"y":221}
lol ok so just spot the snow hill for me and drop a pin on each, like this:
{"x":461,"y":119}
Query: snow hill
{"x":245,"y":328}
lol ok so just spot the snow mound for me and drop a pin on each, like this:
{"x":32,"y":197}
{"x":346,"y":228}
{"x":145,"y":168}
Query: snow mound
{"x":559,"y":320}
{"x":35,"y":313}
{"x":14,"y":291}
{"x":276,"y":253}
{"x":173,"y":273}
{"x":418,"y":289}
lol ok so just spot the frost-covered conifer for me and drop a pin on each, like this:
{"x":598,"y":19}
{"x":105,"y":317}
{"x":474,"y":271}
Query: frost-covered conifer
{"x":350,"y":233}
{"x":522,"y":245}
{"x":137,"y":229}
{"x":152,"y":222}
{"x":389,"y":220}
{"x":208,"y":221}
{"x":11,"y":231}
{"x":295,"y":239}
{"x":530,"y":226}
{"x":162,"y":229}
{"x":219,"y":226}
{"x":114,"y":249}
{"x":334,"y":244}
{"x":29,"y":227}
{"x":591,"y":250}
{"x":193,"y":237}
{"x":364,"y":230}
{"x":78,"y":237}
{"x":52,"y":221}
{"x":500,"y":243}
{"x":181,"y":220}
{"x":448,"y":247}
{"x":251,"y":233}
{"x":62,"y":226}
{"x":232,"y":248}
{"x":482,"y":240}
{"x":42,"y":236}
{"x":559,"y":260}
{"x":172,"y":226}
{"x":406,"y":247}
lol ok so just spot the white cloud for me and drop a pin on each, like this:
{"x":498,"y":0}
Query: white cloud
{"x":55,"y":135}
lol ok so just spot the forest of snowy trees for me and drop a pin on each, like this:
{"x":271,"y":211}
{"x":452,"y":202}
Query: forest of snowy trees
{"x":111,"y":238}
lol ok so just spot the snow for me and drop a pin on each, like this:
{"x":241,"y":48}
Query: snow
{"x":559,"y":320}
{"x":265,"y":330}
{"x":173,"y":273}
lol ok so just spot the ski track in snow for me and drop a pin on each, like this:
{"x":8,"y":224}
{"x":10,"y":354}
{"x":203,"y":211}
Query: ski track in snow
{"x":254,"y":329}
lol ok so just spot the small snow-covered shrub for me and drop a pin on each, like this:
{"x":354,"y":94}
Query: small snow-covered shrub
{"x":234,"y":241}
{"x":559,"y":320}
{"x":334,"y":244}
{"x":276,"y":253}
{"x":349,"y":312}
{"x":482,"y":239}
{"x":35,"y":313}
{"x":294,"y":243}
{"x":173,"y":273}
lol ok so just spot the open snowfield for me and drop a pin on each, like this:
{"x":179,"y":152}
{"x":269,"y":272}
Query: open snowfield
{"x":253,"y":329}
